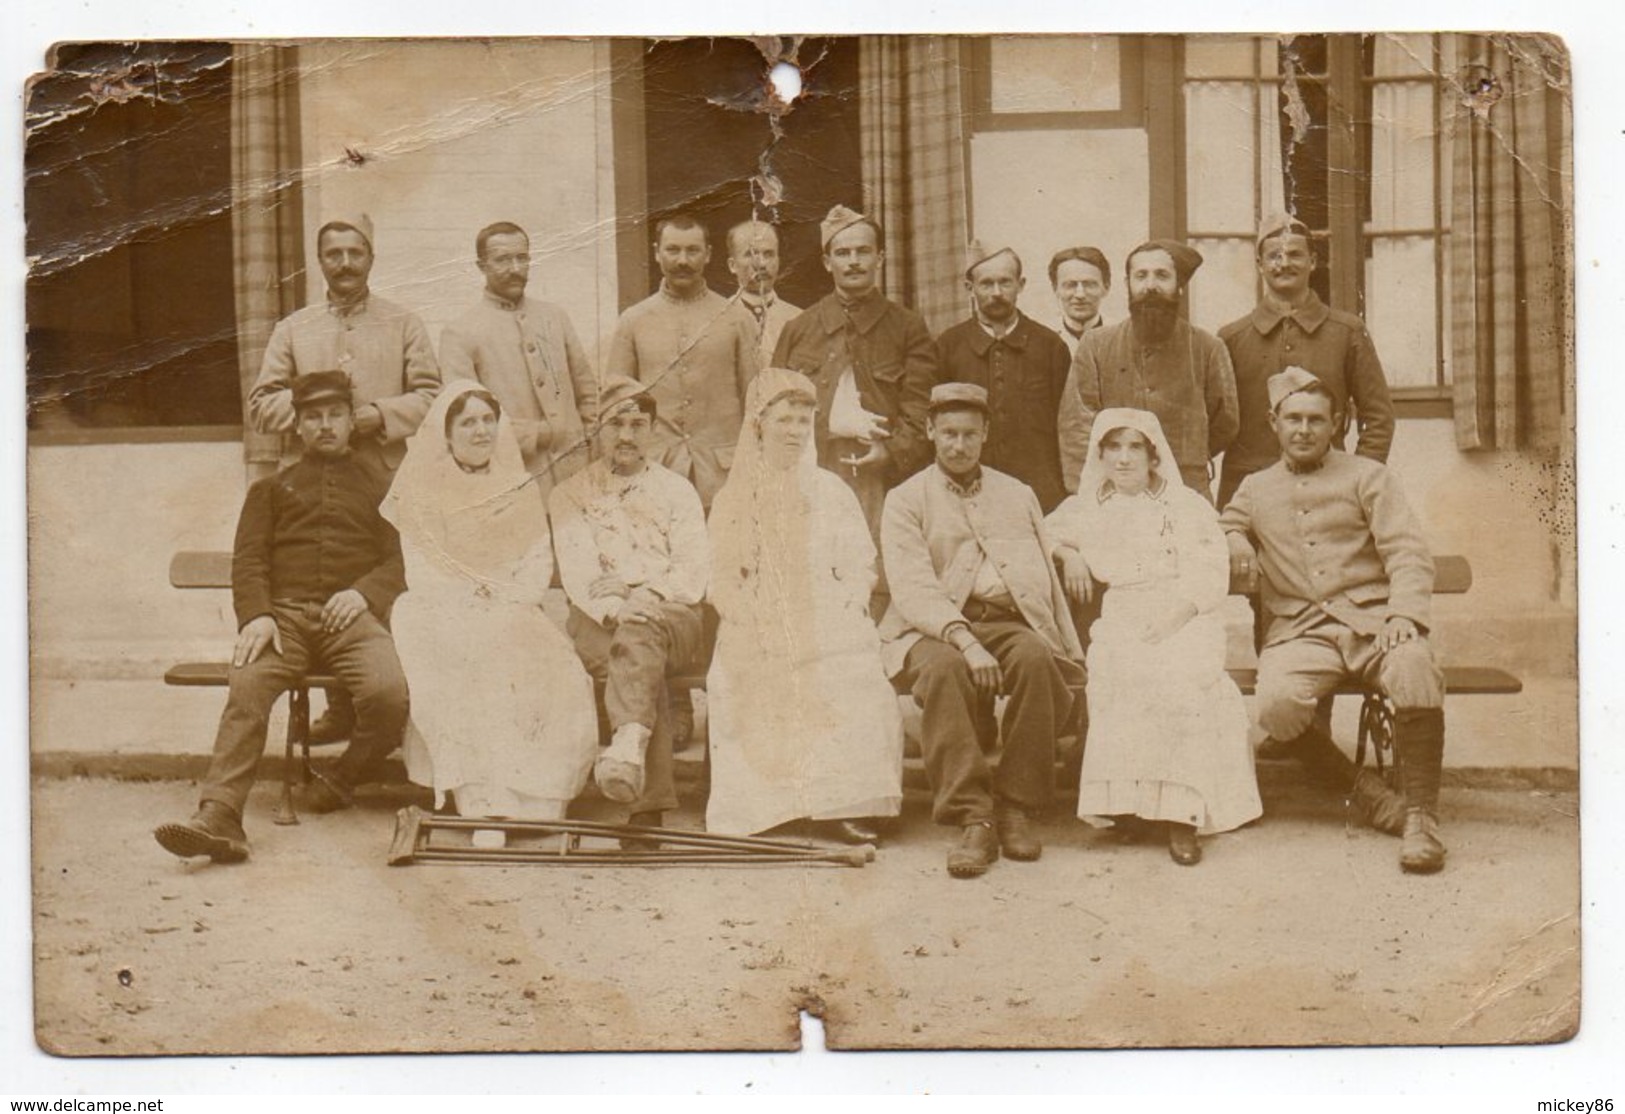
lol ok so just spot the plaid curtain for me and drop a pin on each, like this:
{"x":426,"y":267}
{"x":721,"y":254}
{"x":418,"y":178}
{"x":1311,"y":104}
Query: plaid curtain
{"x":914,"y":168}
{"x":1511,"y":221}
{"x":267,"y":221}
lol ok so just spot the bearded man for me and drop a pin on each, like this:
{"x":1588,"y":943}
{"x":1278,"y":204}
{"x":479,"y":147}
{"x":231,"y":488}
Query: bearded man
{"x":1156,"y":361}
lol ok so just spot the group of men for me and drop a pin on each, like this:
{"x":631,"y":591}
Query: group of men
{"x":955,"y":448}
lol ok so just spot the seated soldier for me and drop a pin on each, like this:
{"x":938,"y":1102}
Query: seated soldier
{"x":977,"y":611}
{"x":633,"y":557}
{"x":1347,"y":582}
{"x":314,"y":572}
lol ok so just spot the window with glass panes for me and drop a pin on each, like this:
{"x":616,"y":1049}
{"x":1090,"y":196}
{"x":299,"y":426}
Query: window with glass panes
{"x":1347,"y":133}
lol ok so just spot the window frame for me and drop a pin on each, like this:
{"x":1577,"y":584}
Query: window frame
{"x":1131,"y":98}
{"x":1348,"y":122}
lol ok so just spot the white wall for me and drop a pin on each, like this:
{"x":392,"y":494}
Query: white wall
{"x":456,"y":135}
{"x":103,"y":522}
{"x":1041,"y":191}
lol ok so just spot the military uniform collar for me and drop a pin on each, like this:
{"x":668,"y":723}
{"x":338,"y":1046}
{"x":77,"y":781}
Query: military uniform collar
{"x":864,"y":312}
{"x":981,"y":339}
{"x":968,"y":489}
{"x":671,"y":295}
{"x":349,"y":309}
{"x":1309,"y":316}
{"x":502,"y":303}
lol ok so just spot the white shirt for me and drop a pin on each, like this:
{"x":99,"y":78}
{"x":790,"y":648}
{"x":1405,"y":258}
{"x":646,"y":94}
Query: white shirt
{"x":647,"y":529}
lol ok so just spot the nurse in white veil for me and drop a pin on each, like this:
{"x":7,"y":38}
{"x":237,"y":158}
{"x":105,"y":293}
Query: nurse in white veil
{"x":1167,"y":738}
{"x":803,"y":723}
{"x":502,"y":710}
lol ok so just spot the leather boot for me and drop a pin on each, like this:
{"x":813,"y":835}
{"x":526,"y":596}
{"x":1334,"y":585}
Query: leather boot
{"x":642,"y":820}
{"x":214,"y":830}
{"x":1324,"y":760}
{"x":1017,"y":839}
{"x":336,"y":722}
{"x":1419,"y":743}
{"x":1182,"y":845}
{"x":1382,"y":808}
{"x":977,"y":849}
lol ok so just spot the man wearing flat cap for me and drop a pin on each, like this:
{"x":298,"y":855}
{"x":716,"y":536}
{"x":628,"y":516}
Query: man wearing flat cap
{"x":978,"y":611}
{"x":695,"y":351}
{"x":1022,"y":366}
{"x":634,"y":560}
{"x":1347,"y":586}
{"x":383,"y":348}
{"x":872,"y":361}
{"x":1292,"y":326}
{"x":314,"y":572}
{"x":1156,"y":361}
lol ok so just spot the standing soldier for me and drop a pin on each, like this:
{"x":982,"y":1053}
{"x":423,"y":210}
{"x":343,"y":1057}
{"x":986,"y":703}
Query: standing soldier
{"x":873,"y":364}
{"x":527,"y":354}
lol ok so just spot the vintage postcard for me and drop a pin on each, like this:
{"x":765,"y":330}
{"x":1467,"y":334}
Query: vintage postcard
{"x":992,"y":541}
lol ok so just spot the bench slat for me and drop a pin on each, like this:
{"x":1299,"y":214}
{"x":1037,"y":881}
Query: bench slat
{"x":198,"y":568}
{"x":1459,"y":680}
{"x":215,"y":674}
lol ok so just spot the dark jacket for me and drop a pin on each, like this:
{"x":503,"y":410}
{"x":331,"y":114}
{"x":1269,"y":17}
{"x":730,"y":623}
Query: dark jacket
{"x":894,"y":365}
{"x":1329,"y":343}
{"x":312,"y":530}
{"x":1024,"y":373}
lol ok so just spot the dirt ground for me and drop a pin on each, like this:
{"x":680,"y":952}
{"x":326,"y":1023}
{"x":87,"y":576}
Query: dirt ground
{"x":1299,"y":930}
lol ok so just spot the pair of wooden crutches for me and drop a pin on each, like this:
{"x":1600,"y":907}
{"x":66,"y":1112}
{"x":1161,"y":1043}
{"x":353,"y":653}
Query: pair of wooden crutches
{"x":414,"y":829}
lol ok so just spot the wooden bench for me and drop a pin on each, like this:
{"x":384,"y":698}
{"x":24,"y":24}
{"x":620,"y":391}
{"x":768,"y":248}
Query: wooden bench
{"x":1452,"y":576}
{"x":212,"y":569}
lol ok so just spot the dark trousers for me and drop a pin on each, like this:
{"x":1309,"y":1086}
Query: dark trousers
{"x":362,"y":656}
{"x":964,"y":785}
{"x":632,"y":660}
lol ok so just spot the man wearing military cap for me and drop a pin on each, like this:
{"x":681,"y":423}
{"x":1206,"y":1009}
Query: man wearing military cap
{"x":1022,"y":366}
{"x":1156,"y":361}
{"x":634,"y":560}
{"x":383,"y":348}
{"x":978,"y":611}
{"x":1292,"y":326}
{"x":695,"y":352}
{"x":1347,"y":587}
{"x":314,"y":572}
{"x":872,"y":361}
{"x":526,"y":352}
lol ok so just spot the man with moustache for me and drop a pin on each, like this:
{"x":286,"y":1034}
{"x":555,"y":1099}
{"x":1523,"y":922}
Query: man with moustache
{"x":1291,"y":326}
{"x":1156,"y":361}
{"x":695,"y":352}
{"x":314,"y":571}
{"x":1347,"y":586}
{"x":634,"y":559}
{"x":873,"y":364}
{"x":527,"y":354}
{"x":1081,"y":279}
{"x":753,"y":260}
{"x":383,"y":348}
{"x":1019,"y":363}
{"x":978,"y":611}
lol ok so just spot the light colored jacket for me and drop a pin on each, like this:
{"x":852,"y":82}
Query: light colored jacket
{"x":932,"y":541}
{"x":383,"y":348}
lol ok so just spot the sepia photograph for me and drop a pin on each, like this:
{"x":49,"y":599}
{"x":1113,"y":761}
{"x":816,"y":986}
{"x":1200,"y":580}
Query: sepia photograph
{"x":991,"y":541}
